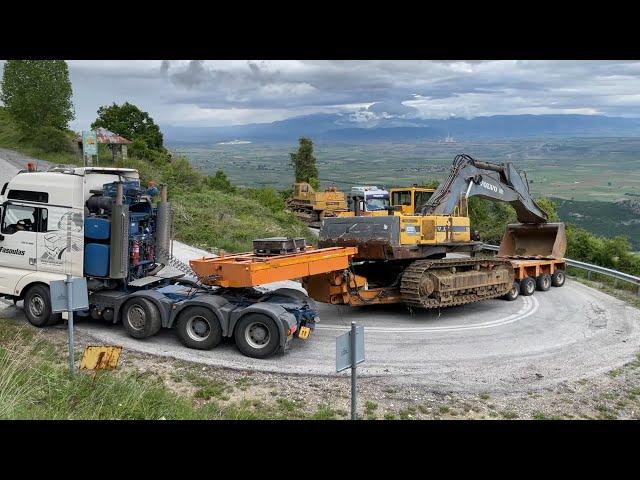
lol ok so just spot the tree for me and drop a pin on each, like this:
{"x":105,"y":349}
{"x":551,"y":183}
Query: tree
{"x":220,"y":181}
{"x":304,"y":163}
{"x":37,"y":94}
{"x":132,"y":123}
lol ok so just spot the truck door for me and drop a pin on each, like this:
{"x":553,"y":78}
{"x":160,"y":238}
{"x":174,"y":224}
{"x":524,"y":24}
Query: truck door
{"x":18,"y":240}
{"x":57,"y":252}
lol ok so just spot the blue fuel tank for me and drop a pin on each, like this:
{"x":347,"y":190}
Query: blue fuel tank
{"x":96,"y":260}
{"x":97,"y":228}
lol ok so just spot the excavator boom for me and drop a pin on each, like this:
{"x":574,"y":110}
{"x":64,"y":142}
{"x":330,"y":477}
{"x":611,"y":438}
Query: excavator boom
{"x":497,"y":182}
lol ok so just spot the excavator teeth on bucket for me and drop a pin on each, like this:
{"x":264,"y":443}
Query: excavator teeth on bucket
{"x":523,"y":240}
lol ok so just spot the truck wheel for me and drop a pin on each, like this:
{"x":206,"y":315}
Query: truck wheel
{"x":558,"y":278}
{"x":543,"y":282}
{"x":257,"y":335}
{"x":513,"y":293}
{"x":37,"y":307}
{"x":527,"y":286}
{"x":141,"y":318}
{"x":198,"y":327}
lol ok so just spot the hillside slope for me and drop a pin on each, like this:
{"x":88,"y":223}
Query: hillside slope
{"x":608,"y":219}
{"x":207,"y":215}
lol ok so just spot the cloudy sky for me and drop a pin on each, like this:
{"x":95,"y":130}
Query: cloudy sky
{"x":215,"y":93}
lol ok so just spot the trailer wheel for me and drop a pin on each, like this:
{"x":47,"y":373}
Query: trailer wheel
{"x":257,"y":335}
{"x":37,"y":307}
{"x":543,"y":282}
{"x":198,"y":327}
{"x":558,"y":278}
{"x":141,"y":318}
{"x":527,"y":286}
{"x":513,"y":293}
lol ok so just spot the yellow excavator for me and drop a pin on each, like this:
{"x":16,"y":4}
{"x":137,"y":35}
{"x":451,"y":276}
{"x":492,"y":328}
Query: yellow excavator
{"x":401,"y":255}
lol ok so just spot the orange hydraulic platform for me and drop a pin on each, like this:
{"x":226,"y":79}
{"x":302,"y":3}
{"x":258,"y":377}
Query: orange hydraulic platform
{"x":249,"y":270}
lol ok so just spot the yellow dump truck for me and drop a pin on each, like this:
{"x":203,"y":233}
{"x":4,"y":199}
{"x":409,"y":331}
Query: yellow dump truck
{"x":312,"y":207}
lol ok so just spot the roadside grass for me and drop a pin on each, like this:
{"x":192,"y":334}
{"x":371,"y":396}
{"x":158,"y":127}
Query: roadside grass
{"x":217,"y":220}
{"x":36,"y":384}
{"x":10,"y":137}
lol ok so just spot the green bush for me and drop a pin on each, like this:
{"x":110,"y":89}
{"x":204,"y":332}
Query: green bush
{"x":179,"y":174}
{"x":219,"y":181}
{"x":268,"y":197}
{"x":50,"y":139}
{"x":213,"y":219}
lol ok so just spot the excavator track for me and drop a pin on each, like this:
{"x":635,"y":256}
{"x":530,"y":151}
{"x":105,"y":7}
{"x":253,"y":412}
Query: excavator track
{"x":438,"y":283}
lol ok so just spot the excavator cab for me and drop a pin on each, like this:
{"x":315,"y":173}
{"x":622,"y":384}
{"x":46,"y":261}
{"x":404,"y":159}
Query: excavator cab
{"x":410,"y":198}
{"x":543,"y":240}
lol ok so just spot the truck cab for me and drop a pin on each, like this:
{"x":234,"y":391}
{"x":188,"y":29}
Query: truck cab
{"x":367,"y":201}
{"x":42,"y":224}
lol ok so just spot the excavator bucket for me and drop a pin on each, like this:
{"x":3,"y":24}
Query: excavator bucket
{"x":544,"y":240}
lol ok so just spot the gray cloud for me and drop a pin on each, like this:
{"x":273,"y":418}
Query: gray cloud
{"x":226,"y":92}
{"x":391,"y":108}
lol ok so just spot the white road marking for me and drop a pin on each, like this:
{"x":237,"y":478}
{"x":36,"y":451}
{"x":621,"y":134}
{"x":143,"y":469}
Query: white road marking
{"x":529,"y":307}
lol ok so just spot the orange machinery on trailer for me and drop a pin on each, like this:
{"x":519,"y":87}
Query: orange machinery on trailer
{"x":327,"y":277}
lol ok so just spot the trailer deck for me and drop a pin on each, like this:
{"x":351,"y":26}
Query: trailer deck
{"x":250,"y":270}
{"x":534,"y":267}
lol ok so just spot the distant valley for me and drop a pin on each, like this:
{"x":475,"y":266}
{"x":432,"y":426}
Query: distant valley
{"x":344,"y":127}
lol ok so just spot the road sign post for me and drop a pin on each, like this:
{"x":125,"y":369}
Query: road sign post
{"x":69,"y":283}
{"x":66,"y":296}
{"x":349,"y":353}
{"x":354,"y":415}
{"x":89,"y":145}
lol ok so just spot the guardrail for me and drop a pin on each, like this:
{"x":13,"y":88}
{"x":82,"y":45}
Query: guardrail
{"x":625,"y":277}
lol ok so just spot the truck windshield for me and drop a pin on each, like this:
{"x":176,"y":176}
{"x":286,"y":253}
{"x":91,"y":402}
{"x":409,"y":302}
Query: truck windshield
{"x":374,"y":204}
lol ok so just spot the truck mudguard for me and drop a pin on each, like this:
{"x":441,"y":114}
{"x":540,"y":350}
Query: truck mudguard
{"x":219,"y":305}
{"x":283,"y":319}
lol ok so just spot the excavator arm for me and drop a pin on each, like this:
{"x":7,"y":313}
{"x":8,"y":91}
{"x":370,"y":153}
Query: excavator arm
{"x":496,"y":182}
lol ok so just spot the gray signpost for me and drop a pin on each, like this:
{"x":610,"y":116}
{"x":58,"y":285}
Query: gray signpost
{"x":349,"y":353}
{"x":67,"y":296}
{"x":70,"y":294}
{"x":89,"y":145}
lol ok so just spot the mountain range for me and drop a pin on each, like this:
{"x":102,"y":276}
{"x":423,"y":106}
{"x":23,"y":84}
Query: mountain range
{"x":345,"y":128}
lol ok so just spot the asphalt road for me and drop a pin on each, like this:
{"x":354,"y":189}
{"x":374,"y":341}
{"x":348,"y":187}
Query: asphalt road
{"x":563,"y":334}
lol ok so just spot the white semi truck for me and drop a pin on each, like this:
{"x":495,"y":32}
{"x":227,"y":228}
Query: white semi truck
{"x":368,"y":200}
{"x":99,"y":223}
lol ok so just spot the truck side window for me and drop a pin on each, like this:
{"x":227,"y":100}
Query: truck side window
{"x":43,"y":220}
{"x":18,"y":217}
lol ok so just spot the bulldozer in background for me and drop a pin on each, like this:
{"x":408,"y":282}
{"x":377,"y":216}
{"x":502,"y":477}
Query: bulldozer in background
{"x":313,"y":207}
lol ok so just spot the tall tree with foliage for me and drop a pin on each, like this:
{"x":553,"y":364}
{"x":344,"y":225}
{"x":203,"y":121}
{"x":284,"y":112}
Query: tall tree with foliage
{"x":304,"y":163}
{"x":37,"y":94}
{"x":130,"y":122}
